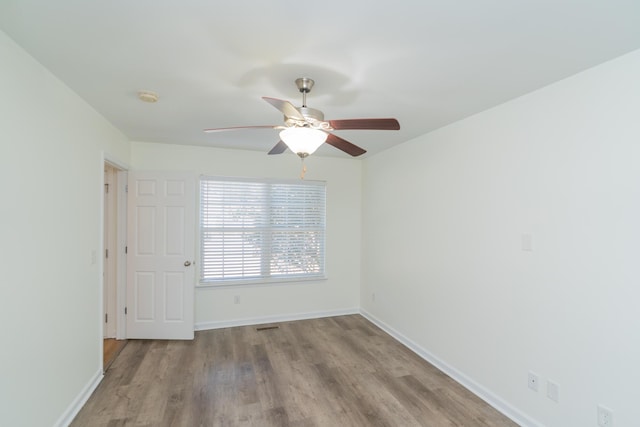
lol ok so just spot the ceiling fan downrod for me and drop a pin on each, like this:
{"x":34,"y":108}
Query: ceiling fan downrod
{"x":304,"y":86}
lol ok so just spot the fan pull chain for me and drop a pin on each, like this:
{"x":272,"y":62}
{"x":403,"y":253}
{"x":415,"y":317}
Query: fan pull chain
{"x":304,"y":169}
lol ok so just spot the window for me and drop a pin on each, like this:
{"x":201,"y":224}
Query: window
{"x":261,"y":230}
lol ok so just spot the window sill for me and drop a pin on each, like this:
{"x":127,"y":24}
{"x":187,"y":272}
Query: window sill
{"x":261,"y":281}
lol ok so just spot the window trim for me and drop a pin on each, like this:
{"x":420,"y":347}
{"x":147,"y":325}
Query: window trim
{"x":263,"y":280}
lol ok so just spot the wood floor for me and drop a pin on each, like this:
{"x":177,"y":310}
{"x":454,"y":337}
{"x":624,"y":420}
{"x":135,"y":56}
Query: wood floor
{"x":111,"y":348}
{"x":338,"y":371}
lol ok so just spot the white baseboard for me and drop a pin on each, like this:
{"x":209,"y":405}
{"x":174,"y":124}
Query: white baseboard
{"x":203,"y":326}
{"x":77,"y":404}
{"x":512,"y":413}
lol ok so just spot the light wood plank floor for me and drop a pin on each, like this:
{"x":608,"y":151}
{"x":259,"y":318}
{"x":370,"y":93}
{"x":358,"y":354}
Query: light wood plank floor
{"x":338,"y":371}
{"x":111,"y":347}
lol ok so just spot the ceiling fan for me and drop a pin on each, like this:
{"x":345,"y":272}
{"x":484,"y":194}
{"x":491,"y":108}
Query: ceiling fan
{"x":305,"y":129}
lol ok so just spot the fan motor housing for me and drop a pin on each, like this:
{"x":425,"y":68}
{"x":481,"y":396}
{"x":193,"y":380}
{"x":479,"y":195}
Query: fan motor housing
{"x":312,"y":118}
{"x":312,"y":113}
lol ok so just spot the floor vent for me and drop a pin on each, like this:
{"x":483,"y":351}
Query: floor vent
{"x":266,"y":328}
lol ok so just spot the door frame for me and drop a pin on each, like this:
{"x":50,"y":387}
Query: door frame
{"x":120,"y":258}
{"x":109,"y":275}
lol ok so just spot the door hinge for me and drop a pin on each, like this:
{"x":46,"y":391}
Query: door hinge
{"x":125,"y":310}
{"x":106,"y":253}
{"x":126,"y":188}
{"x":126,"y":249}
{"x":106,"y":318}
{"x":106,"y":188}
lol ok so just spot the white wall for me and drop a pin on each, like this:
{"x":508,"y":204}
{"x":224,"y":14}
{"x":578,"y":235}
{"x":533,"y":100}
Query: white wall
{"x":260,"y":303}
{"x":51,"y":146}
{"x":444,"y":217}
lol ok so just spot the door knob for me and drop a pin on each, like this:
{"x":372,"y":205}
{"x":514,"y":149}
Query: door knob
{"x":187,"y":263}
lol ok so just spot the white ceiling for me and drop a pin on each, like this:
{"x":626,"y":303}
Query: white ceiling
{"x":427,"y":63}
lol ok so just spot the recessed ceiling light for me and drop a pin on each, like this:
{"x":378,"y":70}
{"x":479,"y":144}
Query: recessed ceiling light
{"x":148,"y":96}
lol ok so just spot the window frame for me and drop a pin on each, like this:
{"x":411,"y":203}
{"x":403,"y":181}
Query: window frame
{"x":262,"y":279}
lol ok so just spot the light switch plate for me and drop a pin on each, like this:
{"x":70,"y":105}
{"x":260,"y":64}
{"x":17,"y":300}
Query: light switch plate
{"x":553,"y":391}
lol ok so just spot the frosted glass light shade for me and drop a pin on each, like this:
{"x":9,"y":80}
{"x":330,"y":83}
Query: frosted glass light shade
{"x":303,"y":140}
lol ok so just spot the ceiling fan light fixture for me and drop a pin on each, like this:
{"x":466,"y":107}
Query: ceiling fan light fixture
{"x":303,"y":141}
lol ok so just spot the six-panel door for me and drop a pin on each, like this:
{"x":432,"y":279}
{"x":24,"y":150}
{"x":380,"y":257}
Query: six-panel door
{"x":160,"y":263}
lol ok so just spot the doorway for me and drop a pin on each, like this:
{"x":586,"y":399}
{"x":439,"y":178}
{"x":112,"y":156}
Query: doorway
{"x":114,"y":262}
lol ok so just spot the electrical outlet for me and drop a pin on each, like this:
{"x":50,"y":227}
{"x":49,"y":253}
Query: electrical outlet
{"x":533,"y":381}
{"x":236,"y":299}
{"x":605,"y":416}
{"x":553,"y":391}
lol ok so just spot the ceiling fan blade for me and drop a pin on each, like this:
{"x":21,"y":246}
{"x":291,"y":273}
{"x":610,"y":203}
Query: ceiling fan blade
{"x":286,"y":107}
{"x":373,"y":124}
{"x":344,"y":145}
{"x":240,"y":127}
{"x":279,"y":148}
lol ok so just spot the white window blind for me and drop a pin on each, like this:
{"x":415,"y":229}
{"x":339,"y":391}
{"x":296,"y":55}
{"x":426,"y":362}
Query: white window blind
{"x":261,"y":230}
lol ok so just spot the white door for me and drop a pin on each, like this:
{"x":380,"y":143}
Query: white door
{"x":160,"y":273}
